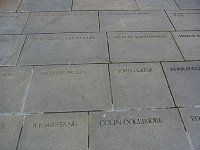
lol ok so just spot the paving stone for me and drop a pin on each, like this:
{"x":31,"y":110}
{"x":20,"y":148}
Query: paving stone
{"x":104,"y":5}
{"x":139,"y":86}
{"x":10,"y":127}
{"x":10,"y":47}
{"x":191,"y":118}
{"x":189,"y":44}
{"x":184,"y":81}
{"x":55,"y":131}
{"x":45,"y":5}
{"x":185,"y":19}
{"x":188,"y":4}
{"x":134,"y":21}
{"x":57,"y":22}
{"x":13,"y":83}
{"x":140,"y":130}
{"x":142,"y":47}
{"x":73,"y":48}
{"x":69,"y":88}
{"x":9,"y":5}
{"x":12,"y":23}
{"x":157,"y":5}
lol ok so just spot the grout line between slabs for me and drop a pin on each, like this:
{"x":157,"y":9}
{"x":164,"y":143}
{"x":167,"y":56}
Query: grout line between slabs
{"x":19,"y":5}
{"x":72,"y":5}
{"x":170,"y":20}
{"x":20,"y":133}
{"x":137,"y":5}
{"x":110,"y":84}
{"x":108,"y":46}
{"x":99,"y":21}
{"x":26,"y":22}
{"x":88,"y":130}
{"x":177,"y":4}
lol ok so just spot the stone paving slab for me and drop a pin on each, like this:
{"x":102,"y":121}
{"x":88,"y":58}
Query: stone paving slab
{"x":188,"y":4}
{"x":55,"y":132}
{"x":12,"y":23}
{"x":189,"y":44}
{"x":10,"y":127}
{"x":185,"y":19}
{"x":184,"y":82}
{"x":104,"y":5}
{"x":13,"y":83}
{"x":141,"y":130}
{"x":69,"y":88}
{"x":57,"y":22}
{"x":45,"y":5}
{"x":143,"y":47}
{"x":9,"y":5}
{"x":73,"y":48}
{"x":191,"y":118}
{"x":139,"y":86}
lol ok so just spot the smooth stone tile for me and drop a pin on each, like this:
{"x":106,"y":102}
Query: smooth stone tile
{"x":12,"y":23}
{"x":13,"y":83}
{"x":126,"y":130}
{"x":143,"y":47}
{"x":9,"y":5}
{"x":69,"y":88}
{"x":57,"y":22}
{"x":104,"y":5}
{"x":189,"y":44}
{"x":45,"y":5}
{"x":10,"y":47}
{"x":134,"y":21}
{"x":71,"y":48}
{"x":188,"y":4}
{"x":185,"y":19}
{"x":55,"y":132}
{"x":191,"y":118}
{"x":10,"y":127}
{"x":139,"y":86}
{"x":184,"y":82}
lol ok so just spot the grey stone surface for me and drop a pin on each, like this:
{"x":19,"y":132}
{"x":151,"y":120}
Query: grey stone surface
{"x":142,"y":47}
{"x":104,"y":5}
{"x":13,"y":83}
{"x":189,"y":44}
{"x":10,"y":47}
{"x":185,"y":19}
{"x":184,"y":81}
{"x":191,"y":118}
{"x":73,"y":48}
{"x":55,"y":132}
{"x":12,"y":23}
{"x":57,"y":22}
{"x":126,"y":130}
{"x":10,"y":127}
{"x":45,"y":5}
{"x":9,"y":5}
{"x":69,"y":88}
{"x":139,"y":86}
{"x":188,"y":4}
{"x":134,"y":21}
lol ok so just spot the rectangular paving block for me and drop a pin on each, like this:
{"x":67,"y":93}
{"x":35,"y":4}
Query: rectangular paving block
{"x":13,"y":84}
{"x":12,"y":23}
{"x":191,"y":118}
{"x":189,"y":44}
{"x":184,"y":81}
{"x":70,"y":48}
{"x":185,"y":19}
{"x":10,"y":47}
{"x":69,"y":88}
{"x":55,"y":132}
{"x":45,"y":5}
{"x":138,"y":130}
{"x":188,"y":4}
{"x":139,"y":86}
{"x":57,"y":22}
{"x":9,"y":5}
{"x":142,"y":47}
{"x":134,"y":21}
{"x":10,"y":127}
{"x":104,"y":5}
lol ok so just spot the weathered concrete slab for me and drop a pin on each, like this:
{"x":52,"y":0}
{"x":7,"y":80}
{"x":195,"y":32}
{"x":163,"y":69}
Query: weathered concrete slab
{"x":13,"y":83}
{"x":188,"y":4}
{"x":12,"y":23}
{"x":57,"y":22}
{"x":55,"y":131}
{"x":184,"y":82}
{"x":73,"y":48}
{"x":185,"y":19}
{"x":142,"y":47}
{"x":9,"y":5}
{"x":69,"y":88}
{"x":140,"y":130}
{"x":134,"y":21}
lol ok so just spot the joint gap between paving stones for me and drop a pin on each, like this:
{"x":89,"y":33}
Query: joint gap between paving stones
{"x":72,"y":4}
{"x":26,"y":22}
{"x":137,"y":5}
{"x":19,"y":5}
{"x":177,"y":4}
{"x":108,"y":46}
{"x":110,"y":84}
{"x":20,"y":133}
{"x":170,"y":20}
{"x":88,"y":131}
{"x":99,"y":21}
